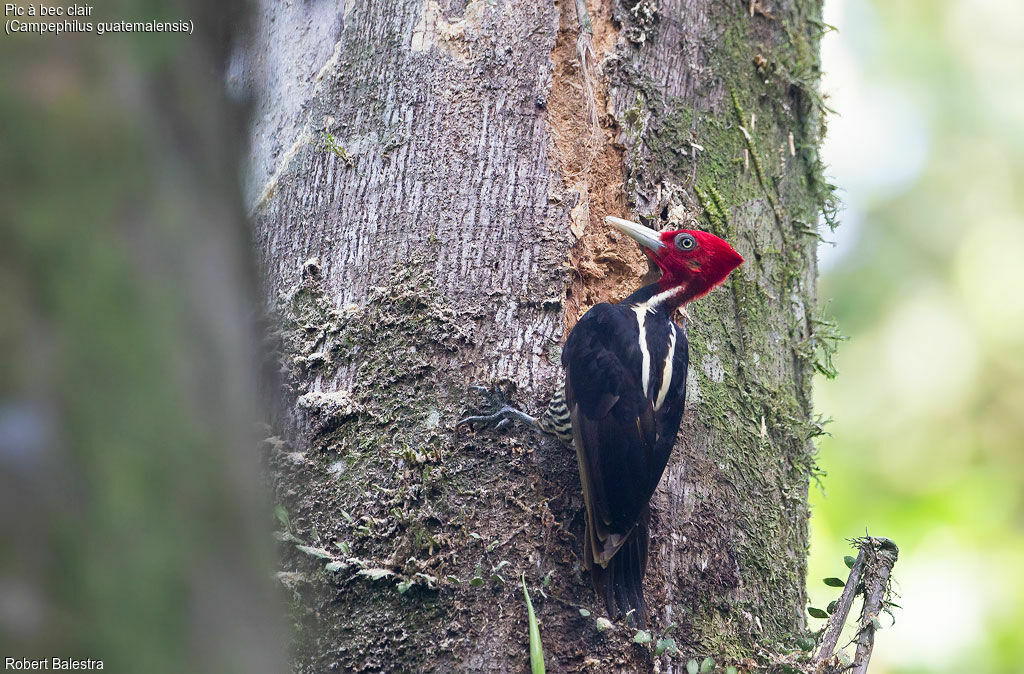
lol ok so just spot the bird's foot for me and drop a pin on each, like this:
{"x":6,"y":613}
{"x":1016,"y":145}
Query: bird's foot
{"x":497,"y":412}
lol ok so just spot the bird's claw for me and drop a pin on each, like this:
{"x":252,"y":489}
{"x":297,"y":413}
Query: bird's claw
{"x":500,"y":412}
{"x":499,"y":418}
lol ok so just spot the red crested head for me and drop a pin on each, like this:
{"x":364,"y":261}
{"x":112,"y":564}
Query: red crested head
{"x":698,"y":261}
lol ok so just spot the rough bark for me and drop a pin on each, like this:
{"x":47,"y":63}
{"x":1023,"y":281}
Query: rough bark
{"x":437,"y":166}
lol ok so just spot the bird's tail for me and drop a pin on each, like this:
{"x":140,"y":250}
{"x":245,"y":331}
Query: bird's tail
{"x":621,"y":581}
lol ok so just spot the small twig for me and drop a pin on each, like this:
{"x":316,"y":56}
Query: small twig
{"x":883,"y":553}
{"x":515,"y":533}
{"x":868,"y":576}
{"x":526,"y":509}
{"x":834,"y":627}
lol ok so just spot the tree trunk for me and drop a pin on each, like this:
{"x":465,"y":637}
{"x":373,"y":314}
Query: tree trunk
{"x":430,"y":183}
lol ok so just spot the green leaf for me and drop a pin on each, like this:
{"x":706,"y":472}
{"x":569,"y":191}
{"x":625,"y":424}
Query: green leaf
{"x":835,"y":582}
{"x":490,"y":548}
{"x":730,"y":670}
{"x":476,"y":581}
{"x":475,"y":535}
{"x":348,"y":518}
{"x":666,"y":645}
{"x":805,"y":643}
{"x":376,"y":574}
{"x":282,"y":516}
{"x":316,"y":552}
{"x":816,"y":612}
{"x":334,"y":566}
{"x":536,"y":649}
{"x":585,"y":613}
{"x":403,"y":586}
{"x":547,"y":578}
{"x":692,"y":667}
{"x":602,"y":624}
{"x":452,"y":579}
{"x":831,"y":608}
{"x":849,"y":561}
{"x":642,"y":637}
{"x":707,"y":665}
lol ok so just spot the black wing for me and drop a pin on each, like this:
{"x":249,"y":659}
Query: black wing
{"x":622,"y":441}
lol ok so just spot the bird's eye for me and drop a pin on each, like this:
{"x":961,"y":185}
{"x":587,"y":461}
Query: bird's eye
{"x":686,"y":242}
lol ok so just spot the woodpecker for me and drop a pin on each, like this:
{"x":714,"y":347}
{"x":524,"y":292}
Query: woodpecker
{"x":621,"y":403}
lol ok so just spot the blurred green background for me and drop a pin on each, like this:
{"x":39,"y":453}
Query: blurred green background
{"x":925,"y":278}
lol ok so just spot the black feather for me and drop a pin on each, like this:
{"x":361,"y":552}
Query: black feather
{"x":622,"y":442}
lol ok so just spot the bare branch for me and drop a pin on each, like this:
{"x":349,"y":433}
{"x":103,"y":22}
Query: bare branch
{"x":869,"y":576}
{"x":834,"y":627}
{"x":880,"y":558}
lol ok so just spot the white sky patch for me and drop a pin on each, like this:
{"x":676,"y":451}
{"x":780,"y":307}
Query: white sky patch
{"x":836,"y":245}
{"x":878,"y":141}
{"x":945,"y":598}
{"x":997,"y":58}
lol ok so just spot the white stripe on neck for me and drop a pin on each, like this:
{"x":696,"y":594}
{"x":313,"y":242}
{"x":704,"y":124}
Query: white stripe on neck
{"x":641,"y":310}
{"x":652,"y":304}
{"x":645,"y":369}
{"x":666,"y":373}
